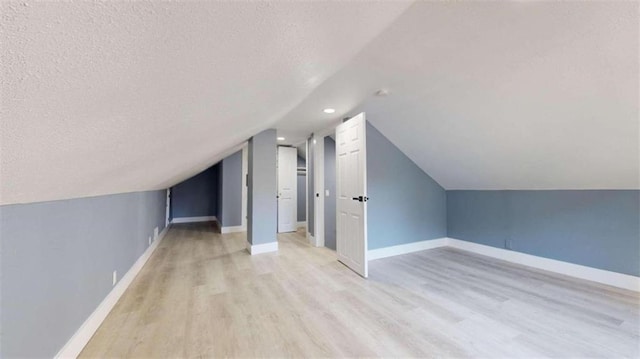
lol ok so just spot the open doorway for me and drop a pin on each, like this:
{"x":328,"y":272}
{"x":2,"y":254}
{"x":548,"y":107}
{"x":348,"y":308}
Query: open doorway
{"x":301,"y":172}
{"x":287,"y":165}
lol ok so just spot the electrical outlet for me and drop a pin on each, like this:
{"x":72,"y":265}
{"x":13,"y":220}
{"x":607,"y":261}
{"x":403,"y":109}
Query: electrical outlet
{"x":115,"y":277}
{"x":326,"y":193}
{"x":155,"y":233}
{"x":149,"y":240}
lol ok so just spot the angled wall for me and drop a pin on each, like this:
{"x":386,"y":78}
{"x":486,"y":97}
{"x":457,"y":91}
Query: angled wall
{"x":406,"y":205}
{"x":595,"y":228}
{"x":57,"y":260}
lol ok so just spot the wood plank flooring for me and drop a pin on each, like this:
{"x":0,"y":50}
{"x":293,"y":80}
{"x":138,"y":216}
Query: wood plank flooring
{"x":202,"y":295}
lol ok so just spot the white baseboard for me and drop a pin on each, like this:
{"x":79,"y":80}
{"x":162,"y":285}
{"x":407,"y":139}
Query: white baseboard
{"x":301,"y":224}
{"x":570,"y":269}
{"x":233,"y":229}
{"x":406,"y":248}
{"x":614,"y":279}
{"x":82,"y":336}
{"x":311,"y":239}
{"x":314,"y":241}
{"x":262,"y":248}
{"x":194,"y":219}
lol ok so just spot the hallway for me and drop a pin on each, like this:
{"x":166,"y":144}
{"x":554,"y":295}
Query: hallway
{"x":202,"y":295}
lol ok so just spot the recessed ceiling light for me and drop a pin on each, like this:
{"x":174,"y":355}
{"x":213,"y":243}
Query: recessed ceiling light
{"x":280,"y":138}
{"x":329,"y":110}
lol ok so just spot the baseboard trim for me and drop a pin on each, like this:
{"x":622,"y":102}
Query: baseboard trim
{"x":311,"y":239}
{"x":301,"y":224}
{"x":262,"y":248}
{"x":406,"y":248}
{"x":194,"y":219}
{"x":82,"y":336}
{"x":234,"y":229}
{"x":614,"y":279}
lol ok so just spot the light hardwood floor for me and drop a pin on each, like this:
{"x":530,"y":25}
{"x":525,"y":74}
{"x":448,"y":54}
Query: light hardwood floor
{"x":202,"y":295}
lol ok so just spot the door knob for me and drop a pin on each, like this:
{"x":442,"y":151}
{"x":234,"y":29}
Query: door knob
{"x":360,"y":198}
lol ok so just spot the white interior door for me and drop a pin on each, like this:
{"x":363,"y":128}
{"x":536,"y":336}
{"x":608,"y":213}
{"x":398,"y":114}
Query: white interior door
{"x":351,"y":200}
{"x":287,"y":189}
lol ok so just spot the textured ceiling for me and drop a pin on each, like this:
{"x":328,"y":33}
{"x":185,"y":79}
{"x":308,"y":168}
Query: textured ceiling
{"x":115,"y":97}
{"x":112,"y":97}
{"x":519,"y":95}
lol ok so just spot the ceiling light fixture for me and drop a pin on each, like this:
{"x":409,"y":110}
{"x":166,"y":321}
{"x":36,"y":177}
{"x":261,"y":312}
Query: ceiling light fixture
{"x":329,"y":110}
{"x":280,"y":138}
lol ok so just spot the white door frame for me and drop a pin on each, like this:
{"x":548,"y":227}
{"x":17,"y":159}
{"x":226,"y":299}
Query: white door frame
{"x":318,"y":187}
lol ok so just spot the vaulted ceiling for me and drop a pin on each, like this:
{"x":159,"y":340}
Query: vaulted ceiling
{"x":102,"y":98}
{"x":517,"y":95}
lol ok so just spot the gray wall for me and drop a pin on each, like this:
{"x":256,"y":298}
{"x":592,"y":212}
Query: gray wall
{"x":197,"y":196}
{"x":406,"y":205}
{"x":57,"y":260}
{"x":311,"y":191}
{"x":597,"y":228}
{"x":230,"y":213}
{"x":302,"y":192}
{"x":262,"y":207}
{"x":330,"y":201}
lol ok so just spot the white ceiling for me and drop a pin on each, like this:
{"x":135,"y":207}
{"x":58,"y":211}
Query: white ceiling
{"x":115,"y":97}
{"x":521,"y":95}
{"x":102,"y":98}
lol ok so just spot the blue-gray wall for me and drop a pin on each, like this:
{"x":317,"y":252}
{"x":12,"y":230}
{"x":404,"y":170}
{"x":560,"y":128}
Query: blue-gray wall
{"x":197,"y":196}
{"x":262,"y":205}
{"x":302,"y":192}
{"x":406,"y":205}
{"x":595,"y":228}
{"x":311,"y":191}
{"x":330,"y":200}
{"x":230,"y":213}
{"x":57,"y":260}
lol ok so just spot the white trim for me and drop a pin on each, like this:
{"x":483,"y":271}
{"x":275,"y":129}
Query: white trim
{"x":262,"y":248}
{"x":602,"y":276}
{"x":407,"y":248}
{"x":82,"y":336}
{"x":234,"y":229}
{"x":301,"y":224}
{"x":570,"y":269}
{"x":306,"y":184}
{"x":311,"y":239}
{"x":194,"y":219}
{"x":318,"y":188}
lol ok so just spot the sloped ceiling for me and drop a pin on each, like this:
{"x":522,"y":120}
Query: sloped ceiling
{"x":112,"y":97}
{"x":102,"y":98}
{"x":519,"y":95}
